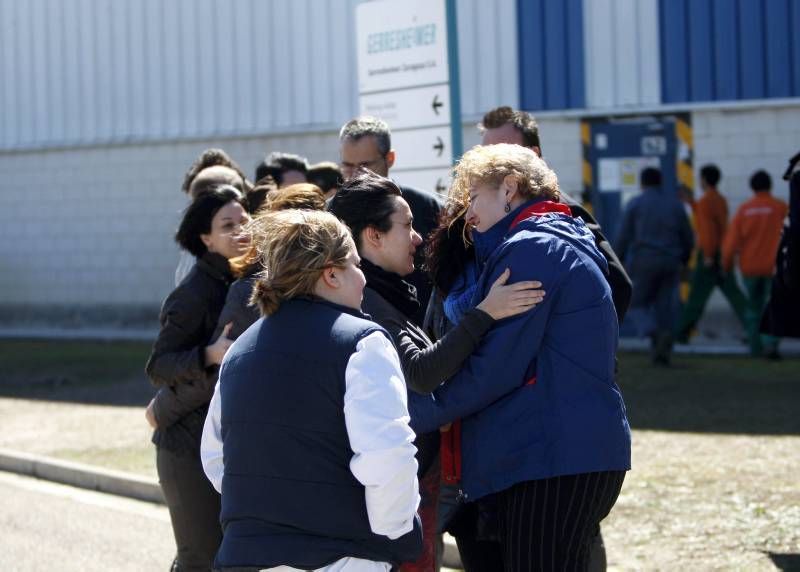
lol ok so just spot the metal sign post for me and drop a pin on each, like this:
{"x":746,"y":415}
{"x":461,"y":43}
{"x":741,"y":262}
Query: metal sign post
{"x":408,"y":76}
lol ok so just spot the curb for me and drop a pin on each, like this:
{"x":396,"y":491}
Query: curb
{"x":120,"y":483}
{"x":82,"y":476}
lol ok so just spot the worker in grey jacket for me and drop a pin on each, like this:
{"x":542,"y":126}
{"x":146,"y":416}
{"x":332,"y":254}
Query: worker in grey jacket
{"x":655,"y":242}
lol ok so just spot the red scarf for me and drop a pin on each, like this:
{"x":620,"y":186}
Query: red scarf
{"x":541,"y":208}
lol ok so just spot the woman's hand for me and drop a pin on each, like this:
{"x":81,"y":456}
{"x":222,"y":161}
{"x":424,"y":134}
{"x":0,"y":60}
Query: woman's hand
{"x":150,"y":415}
{"x":216,"y":351}
{"x":505,"y":300}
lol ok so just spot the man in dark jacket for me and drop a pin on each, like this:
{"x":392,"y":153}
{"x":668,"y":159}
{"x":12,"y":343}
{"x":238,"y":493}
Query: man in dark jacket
{"x":365,"y":143}
{"x":655,"y":241}
{"x":782,"y":315}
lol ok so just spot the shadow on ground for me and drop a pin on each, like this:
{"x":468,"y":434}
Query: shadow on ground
{"x":107,"y":373}
{"x":712,"y":394}
{"x":699,"y":394}
{"x":785,"y":562}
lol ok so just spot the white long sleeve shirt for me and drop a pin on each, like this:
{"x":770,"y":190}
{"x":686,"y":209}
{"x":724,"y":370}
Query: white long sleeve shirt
{"x":377,"y":421}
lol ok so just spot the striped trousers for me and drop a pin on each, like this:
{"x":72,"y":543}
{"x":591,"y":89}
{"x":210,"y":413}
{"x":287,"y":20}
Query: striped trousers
{"x":549,"y":524}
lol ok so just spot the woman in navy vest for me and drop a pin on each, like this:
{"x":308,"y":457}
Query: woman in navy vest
{"x":545,"y":435}
{"x":383,"y":229}
{"x":183,"y":365}
{"x":308,"y":435}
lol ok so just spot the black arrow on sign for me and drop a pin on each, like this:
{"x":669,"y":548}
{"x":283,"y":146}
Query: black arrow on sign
{"x":436,"y":104}
{"x":440,"y":188}
{"x":439,"y":146}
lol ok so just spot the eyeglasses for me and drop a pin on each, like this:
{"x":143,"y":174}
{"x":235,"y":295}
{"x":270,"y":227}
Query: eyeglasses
{"x":350,"y":167}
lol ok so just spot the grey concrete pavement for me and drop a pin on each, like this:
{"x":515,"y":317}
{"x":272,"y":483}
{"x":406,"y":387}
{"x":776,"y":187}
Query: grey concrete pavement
{"x":48,"y":526}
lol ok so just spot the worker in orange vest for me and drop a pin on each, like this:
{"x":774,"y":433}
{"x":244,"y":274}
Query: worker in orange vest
{"x":753,"y":238}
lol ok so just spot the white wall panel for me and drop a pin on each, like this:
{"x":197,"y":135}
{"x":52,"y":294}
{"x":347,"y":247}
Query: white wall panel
{"x":650,"y":53}
{"x":86,"y":72}
{"x":489,"y":66}
{"x":621,"y":53}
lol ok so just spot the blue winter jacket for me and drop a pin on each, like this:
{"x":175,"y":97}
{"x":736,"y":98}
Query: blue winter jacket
{"x":538,"y":399}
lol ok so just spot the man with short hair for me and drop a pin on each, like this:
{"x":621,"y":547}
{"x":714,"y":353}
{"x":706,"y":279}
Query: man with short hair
{"x":365,"y":143}
{"x":753,"y":238}
{"x":285,"y":168}
{"x":506,"y":125}
{"x":710,"y":220}
{"x":327,"y":176}
{"x":655,"y":241}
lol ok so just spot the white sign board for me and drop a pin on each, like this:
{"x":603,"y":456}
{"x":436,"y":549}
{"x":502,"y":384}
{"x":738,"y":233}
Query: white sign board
{"x":403,"y":78}
{"x":401,"y":43}
{"x":433,"y":180}
{"x":410,"y":108}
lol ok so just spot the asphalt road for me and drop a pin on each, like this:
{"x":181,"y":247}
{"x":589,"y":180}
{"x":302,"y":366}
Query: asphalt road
{"x":46,"y":526}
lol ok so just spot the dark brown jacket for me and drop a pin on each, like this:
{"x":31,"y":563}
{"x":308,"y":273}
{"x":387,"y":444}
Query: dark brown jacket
{"x":177,"y":362}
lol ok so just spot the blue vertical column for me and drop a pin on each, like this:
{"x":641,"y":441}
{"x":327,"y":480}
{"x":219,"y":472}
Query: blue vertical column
{"x":455,"y":80}
{"x":551,"y":59}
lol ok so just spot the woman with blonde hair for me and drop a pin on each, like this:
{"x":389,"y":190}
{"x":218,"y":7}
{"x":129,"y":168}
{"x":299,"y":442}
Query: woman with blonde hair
{"x":239,"y":312}
{"x":308,"y":435}
{"x":544,"y":429}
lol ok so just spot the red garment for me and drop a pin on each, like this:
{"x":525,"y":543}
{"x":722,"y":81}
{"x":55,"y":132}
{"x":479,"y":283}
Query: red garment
{"x":429,"y":493}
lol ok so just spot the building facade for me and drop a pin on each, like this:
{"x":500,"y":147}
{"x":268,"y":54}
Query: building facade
{"x":104,"y":104}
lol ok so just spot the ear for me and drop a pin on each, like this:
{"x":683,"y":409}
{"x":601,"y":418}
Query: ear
{"x":206,"y":238}
{"x":510,"y":184}
{"x":536,"y":150}
{"x":390,"y":157}
{"x":371,"y":236}
{"x":330,"y":277}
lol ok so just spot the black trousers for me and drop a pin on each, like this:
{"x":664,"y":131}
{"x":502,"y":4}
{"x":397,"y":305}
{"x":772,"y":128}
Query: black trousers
{"x":550,"y":524}
{"x":194,"y":508}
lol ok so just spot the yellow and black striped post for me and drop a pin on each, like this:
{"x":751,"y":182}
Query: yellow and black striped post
{"x":685,"y":159}
{"x":586,"y":139}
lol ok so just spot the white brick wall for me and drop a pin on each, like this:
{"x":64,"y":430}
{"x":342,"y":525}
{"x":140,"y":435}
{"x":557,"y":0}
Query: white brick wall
{"x":94,"y":226}
{"x":741,"y":142}
{"x":561,"y":148}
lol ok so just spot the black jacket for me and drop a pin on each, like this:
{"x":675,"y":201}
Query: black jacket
{"x":618,"y":279}
{"x":237,"y":309}
{"x":782,"y":314}
{"x":425,"y":208}
{"x":177,"y":362}
{"x":426,"y":365}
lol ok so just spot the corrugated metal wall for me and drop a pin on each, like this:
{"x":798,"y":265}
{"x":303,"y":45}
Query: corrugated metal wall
{"x":551,"y":49}
{"x":716,"y":50}
{"x":92,"y":71}
{"x":99,"y":71}
{"x":622,"y":53}
{"x":488,"y":55}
